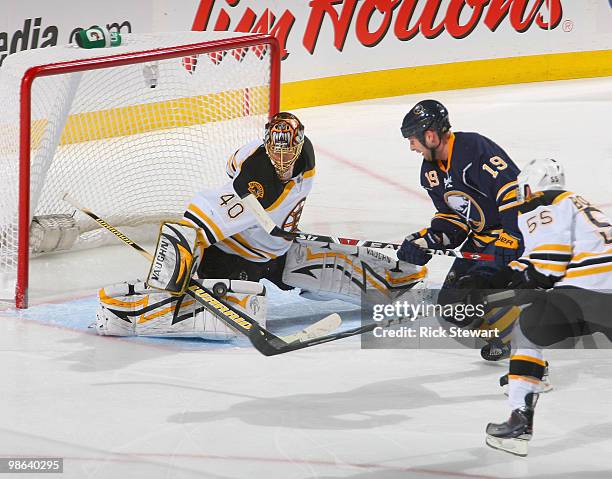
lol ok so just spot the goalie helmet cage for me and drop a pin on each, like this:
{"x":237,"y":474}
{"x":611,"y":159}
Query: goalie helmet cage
{"x":131,"y":131}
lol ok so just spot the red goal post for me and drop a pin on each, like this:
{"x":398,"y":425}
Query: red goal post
{"x":193,"y":118}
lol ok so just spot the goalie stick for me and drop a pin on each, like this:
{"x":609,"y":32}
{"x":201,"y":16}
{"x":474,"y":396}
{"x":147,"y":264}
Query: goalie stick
{"x":501,"y":298}
{"x":267,"y":224}
{"x":263,"y":340}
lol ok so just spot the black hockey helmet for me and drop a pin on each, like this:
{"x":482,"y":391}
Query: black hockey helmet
{"x":425,"y":115}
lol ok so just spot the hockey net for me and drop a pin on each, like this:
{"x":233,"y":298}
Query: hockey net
{"x":131,"y":132}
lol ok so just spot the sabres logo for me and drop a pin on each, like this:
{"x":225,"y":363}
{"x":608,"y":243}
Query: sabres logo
{"x":256,"y":189}
{"x":466,"y":207}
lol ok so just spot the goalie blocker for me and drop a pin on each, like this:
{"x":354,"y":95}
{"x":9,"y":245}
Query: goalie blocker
{"x":175,"y":258}
{"x":159,"y":307}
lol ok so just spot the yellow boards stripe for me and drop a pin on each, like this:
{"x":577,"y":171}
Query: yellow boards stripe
{"x":447,"y":76}
{"x":163,"y":115}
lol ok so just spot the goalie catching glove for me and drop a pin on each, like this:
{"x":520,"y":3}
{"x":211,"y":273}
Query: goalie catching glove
{"x":134,"y":309}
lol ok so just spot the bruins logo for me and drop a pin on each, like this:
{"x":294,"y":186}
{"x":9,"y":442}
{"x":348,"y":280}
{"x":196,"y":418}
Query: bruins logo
{"x":293,"y":218}
{"x":256,"y":189}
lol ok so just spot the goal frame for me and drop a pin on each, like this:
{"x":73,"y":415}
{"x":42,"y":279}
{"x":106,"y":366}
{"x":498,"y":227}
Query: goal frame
{"x":96,"y":63}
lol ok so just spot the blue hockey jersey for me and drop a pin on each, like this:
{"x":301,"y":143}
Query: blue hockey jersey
{"x":474,"y":191}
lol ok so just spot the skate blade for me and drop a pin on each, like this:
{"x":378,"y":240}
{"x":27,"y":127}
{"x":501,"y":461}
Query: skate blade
{"x":518,"y":447}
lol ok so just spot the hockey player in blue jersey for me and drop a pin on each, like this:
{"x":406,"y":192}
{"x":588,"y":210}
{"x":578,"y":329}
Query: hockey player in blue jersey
{"x":472,"y":183}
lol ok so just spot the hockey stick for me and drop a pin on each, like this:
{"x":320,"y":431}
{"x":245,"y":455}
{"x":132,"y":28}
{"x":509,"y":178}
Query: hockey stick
{"x":379,"y":244}
{"x":263,"y":340}
{"x":501,"y":298}
{"x":267,"y":224}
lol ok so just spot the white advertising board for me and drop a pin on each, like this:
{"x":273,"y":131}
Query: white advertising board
{"x":338,"y":37}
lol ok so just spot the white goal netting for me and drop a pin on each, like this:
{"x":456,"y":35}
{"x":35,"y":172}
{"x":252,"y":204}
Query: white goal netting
{"x":132,"y":143}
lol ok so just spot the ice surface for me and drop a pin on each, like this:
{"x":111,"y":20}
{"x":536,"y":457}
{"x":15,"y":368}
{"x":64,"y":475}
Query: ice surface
{"x":154,"y":408}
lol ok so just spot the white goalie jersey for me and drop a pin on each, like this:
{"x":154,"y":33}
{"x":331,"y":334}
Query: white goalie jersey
{"x":568,"y":238}
{"x":230,"y":226}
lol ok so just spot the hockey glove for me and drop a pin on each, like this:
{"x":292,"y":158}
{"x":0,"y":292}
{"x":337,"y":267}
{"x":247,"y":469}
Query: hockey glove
{"x":468,"y":289}
{"x":412,"y":249}
{"x":507,"y":248}
{"x":529,"y":278}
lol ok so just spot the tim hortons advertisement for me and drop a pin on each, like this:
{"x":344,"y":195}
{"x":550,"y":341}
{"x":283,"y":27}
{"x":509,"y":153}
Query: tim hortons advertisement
{"x":397,"y":18}
{"x":349,"y":36}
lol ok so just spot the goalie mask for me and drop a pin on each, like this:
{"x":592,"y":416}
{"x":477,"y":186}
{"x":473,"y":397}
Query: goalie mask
{"x":283,"y":140}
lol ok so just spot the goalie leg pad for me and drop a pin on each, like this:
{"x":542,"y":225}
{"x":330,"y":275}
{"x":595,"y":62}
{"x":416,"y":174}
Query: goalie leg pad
{"x":347,"y":272}
{"x":175,"y":256}
{"x":133,"y":309}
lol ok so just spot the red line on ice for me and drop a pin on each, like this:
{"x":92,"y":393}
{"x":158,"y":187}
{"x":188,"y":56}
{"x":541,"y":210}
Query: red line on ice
{"x":384,"y":179}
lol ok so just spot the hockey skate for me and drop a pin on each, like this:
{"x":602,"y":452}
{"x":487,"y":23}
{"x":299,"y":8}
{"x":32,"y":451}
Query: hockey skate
{"x":495,"y":351}
{"x":513,"y":436}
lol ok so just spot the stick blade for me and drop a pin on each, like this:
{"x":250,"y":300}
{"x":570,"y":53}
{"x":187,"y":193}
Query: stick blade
{"x":320,"y":328}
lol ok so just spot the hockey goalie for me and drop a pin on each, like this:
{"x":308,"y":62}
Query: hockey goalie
{"x":220,"y":244}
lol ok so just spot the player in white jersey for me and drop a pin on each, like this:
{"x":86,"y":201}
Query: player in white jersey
{"x":564,"y":276}
{"x":279,"y":172}
{"x":220,"y":239}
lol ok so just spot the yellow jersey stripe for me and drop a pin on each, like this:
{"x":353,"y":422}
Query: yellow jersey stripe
{"x":309,"y":173}
{"x":588,"y":271}
{"x":485,"y":238}
{"x":233,"y":245}
{"x":507,"y":320}
{"x":553,"y":247}
{"x":502,"y":190}
{"x":447,"y":215}
{"x":509,"y":196}
{"x":455,"y":222}
{"x":288,"y":187}
{"x":559,"y":268}
{"x":451,"y":145}
{"x":242,"y":240}
{"x":581,"y":256}
{"x":507,"y":206}
{"x":517,"y":265}
{"x":209,"y":222}
{"x":561,"y":197}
